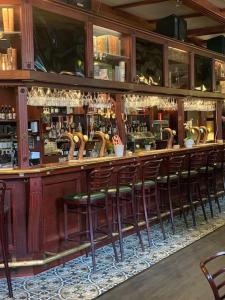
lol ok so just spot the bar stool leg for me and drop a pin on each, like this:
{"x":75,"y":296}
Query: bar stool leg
{"x":202,"y":204}
{"x":215,"y":193}
{"x":182,"y":208}
{"x":171,"y":208}
{"x":119,"y":226}
{"x":109,"y":225}
{"x":91,"y":233}
{"x":209,"y":198}
{"x":134,"y":211}
{"x":4,"y":244}
{"x":157,"y":197}
{"x":65,"y":221}
{"x":146,"y":216}
{"x":191,"y":204}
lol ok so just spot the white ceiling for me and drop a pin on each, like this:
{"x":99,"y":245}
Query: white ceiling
{"x":162,"y":9}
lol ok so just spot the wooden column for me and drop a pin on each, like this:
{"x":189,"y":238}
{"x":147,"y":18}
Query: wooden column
{"x":26,"y":23}
{"x":133,"y":58}
{"x":120,"y":123}
{"x":22,"y":127}
{"x":191,"y":71}
{"x":213,"y":76}
{"x":35,"y":219}
{"x":202,"y":118}
{"x":165,"y":66}
{"x":180,"y":111}
{"x":89,"y":63}
{"x":219,"y":108}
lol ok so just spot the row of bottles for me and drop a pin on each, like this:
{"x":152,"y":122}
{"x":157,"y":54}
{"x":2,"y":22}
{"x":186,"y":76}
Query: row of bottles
{"x":7,"y":112}
{"x":136,"y":126}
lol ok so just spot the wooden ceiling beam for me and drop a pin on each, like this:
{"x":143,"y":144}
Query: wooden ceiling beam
{"x":207,"y":9}
{"x":206,"y":30}
{"x":187,"y":16}
{"x":138,"y":3}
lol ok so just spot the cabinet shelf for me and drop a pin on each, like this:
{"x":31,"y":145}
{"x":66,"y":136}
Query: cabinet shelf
{"x":7,"y":121}
{"x":102,"y":57}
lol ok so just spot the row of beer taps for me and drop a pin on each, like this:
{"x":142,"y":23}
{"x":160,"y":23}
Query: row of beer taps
{"x":78,"y":137}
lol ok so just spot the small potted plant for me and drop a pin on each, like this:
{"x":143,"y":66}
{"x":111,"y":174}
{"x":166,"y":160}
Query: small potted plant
{"x":147,"y":144}
{"x":189,"y":140}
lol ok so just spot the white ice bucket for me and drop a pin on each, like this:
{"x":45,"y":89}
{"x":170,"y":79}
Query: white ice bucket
{"x":118,"y":149}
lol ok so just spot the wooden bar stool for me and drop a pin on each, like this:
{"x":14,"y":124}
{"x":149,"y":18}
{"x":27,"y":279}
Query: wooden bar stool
{"x":89,"y":203}
{"x":215,"y":279}
{"x":146,"y":190}
{"x":4,"y":236}
{"x":124,"y":197}
{"x":171,"y":182}
{"x":191,"y":180}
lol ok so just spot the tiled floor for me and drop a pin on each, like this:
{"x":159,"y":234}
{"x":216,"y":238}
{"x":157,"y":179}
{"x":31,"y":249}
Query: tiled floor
{"x":76,"y":281}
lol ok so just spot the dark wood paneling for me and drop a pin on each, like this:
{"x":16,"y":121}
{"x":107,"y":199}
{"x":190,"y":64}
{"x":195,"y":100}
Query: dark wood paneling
{"x":180,"y":112}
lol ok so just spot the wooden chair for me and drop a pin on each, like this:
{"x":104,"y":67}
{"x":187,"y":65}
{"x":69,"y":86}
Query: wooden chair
{"x":4,"y":236}
{"x":171,"y":182}
{"x":146,"y":189}
{"x":124,"y":195}
{"x":213,"y":277}
{"x":89,"y":203}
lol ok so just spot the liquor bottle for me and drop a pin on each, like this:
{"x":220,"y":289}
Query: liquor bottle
{"x":13,"y":114}
{"x":1,"y":112}
{"x":79,"y":127}
{"x":9,"y":114}
{"x":4,"y":113}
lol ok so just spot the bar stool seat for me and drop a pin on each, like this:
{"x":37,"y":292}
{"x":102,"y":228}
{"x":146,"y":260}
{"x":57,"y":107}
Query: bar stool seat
{"x":185,"y":174}
{"x":205,"y":169}
{"x":122,"y":189}
{"x":82,"y":197}
{"x":147,"y":183}
{"x":164,"y":179}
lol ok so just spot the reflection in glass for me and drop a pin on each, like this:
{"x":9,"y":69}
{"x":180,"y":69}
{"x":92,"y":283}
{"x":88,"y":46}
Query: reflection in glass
{"x":203,"y":73}
{"x":220,"y":76}
{"x":59,"y":43}
{"x":178,"y":68}
{"x":149,"y":62}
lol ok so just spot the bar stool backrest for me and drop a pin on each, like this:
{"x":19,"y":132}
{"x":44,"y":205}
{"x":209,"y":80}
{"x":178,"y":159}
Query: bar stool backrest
{"x":150,"y":169}
{"x":175,"y":164}
{"x":212,"y":158}
{"x":211,"y":277}
{"x":197,"y":160}
{"x":99,"y":179}
{"x":2,"y":197}
{"x":126,"y":175}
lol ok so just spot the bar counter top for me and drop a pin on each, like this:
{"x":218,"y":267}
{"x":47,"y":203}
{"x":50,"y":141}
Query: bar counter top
{"x":81,"y":164}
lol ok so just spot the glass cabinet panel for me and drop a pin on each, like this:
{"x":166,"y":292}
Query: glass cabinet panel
{"x":178,"y":68}
{"x":111,"y":54}
{"x":220,"y":76}
{"x":203,"y":73}
{"x":149,"y":62}
{"x":59,"y":43}
{"x":10,"y":38}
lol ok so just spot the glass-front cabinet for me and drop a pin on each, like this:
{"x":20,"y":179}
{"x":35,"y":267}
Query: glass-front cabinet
{"x":219,"y":69}
{"x":203,"y":73}
{"x":178,"y":61}
{"x":59,"y":44}
{"x":149,"y":62}
{"x":10,"y":38}
{"x":111,"y":54}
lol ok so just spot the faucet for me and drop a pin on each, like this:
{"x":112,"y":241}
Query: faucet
{"x":83,"y":139}
{"x":170,"y":138}
{"x":198,"y":134}
{"x":103,"y":138}
{"x":70,"y":137}
{"x":205,"y":132}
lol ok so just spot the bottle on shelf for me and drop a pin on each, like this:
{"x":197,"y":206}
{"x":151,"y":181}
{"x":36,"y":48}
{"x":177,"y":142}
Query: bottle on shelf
{"x":13,"y":113}
{"x":9,"y":113}
{"x":79,"y":127}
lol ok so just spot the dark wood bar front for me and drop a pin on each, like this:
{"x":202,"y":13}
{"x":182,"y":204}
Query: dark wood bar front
{"x":36,"y":215}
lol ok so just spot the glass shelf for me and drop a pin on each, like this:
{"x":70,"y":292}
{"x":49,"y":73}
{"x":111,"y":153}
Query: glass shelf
{"x":110,"y":54}
{"x":178,"y":68}
{"x":220,"y":76}
{"x":203,"y":73}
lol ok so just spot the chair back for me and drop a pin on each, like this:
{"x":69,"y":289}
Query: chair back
{"x":175,"y":164}
{"x":99,"y":179}
{"x":211,"y":277}
{"x":150,"y":169}
{"x":197,"y":161}
{"x":126,"y":175}
{"x":212,"y":158}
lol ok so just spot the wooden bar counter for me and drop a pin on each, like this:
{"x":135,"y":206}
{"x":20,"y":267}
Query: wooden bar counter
{"x":35,"y":195}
